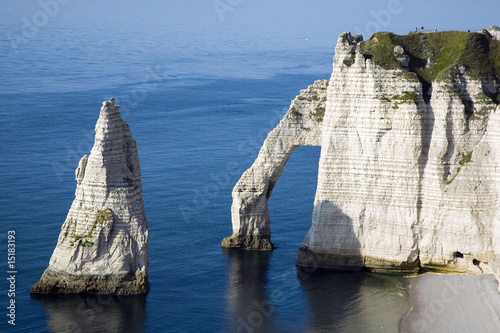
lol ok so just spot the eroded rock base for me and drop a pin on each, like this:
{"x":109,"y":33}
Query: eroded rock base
{"x":248,"y":243}
{"x":63,"y":283}
{"x":352,"y":261}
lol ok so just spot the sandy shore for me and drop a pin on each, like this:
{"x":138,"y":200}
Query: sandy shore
{"x":452,"y":303}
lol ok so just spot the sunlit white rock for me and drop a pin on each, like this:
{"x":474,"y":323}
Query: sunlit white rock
{"x":103,"y":244}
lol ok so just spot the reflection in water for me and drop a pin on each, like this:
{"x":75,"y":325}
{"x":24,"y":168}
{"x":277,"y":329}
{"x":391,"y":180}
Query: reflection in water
{"x":354,"y":302}
{"x":261,"y":298}
{"x":247,"y":299}
{"x":332,"y":298}
{"x":92,"y":314}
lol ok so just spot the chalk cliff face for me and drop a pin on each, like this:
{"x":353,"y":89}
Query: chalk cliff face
{"x":405,"y":170}
{"x":409,"y":167}
{"x":103,"y":244}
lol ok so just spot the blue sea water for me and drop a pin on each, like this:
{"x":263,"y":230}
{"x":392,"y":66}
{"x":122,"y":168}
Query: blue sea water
{"x":200,"y":93}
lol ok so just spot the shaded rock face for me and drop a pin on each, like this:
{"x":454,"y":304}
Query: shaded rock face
{"x":408,"y":169}
{"x":103,"y":244}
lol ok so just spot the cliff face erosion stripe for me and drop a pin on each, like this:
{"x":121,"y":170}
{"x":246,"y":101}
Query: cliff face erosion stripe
{"x":409,"y":167}
{"x":103,"y":244}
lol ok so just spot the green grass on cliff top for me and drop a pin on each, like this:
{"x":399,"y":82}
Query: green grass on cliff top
{"x":434,"y":54}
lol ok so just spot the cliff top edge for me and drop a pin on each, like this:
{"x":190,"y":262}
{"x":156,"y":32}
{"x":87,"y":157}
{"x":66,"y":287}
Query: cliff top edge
{"x":432,"y":54}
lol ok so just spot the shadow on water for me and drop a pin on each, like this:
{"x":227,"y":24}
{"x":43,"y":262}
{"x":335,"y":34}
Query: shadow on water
{"x":332,"y":296}
{"x":353,"y":302}
{"x":342,"y":301}
{"x":92,"y":314}
{"x":247,"y":300}
{"x":336,"y":301}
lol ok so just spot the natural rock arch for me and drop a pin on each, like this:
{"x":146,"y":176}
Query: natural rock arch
{"x":408,"y":172}
{"x":301,"y":126}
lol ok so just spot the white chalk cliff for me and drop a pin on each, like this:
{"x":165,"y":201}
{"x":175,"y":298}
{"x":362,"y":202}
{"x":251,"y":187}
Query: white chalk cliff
{"x":409,"y":172}
{"x":103,"y":244}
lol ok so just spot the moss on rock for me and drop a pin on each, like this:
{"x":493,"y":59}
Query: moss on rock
{"x":103,"y":216}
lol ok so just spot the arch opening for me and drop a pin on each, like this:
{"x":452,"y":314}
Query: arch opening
{"x":292,"y":203}
{"x":301,"y":126}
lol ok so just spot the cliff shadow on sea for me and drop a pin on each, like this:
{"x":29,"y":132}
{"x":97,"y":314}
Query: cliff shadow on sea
{"x":93,"y":313}
{"x":353,"y":302}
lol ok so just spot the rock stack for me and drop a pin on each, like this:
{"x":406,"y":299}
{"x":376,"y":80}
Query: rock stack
{"x":103,"y":244}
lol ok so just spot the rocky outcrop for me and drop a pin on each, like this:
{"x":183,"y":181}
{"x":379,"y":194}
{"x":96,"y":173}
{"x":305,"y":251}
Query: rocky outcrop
{"x":409,"y":166}
{"x":301,"y":126}
{"x":494,"y":31}
{"x":103,"y":244}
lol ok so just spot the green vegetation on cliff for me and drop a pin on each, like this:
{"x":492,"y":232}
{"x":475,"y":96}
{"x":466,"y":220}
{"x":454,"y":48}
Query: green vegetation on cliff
{"x":435,"y":54}
{"x":465,"y":159}
{"x":103,"y":216}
